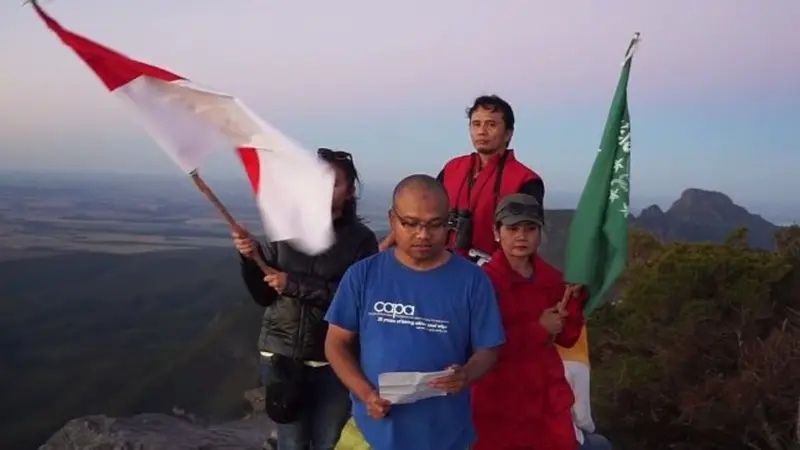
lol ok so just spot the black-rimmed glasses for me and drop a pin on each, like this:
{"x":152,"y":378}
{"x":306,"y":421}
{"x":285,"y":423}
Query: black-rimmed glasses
{"x":416,"y":226}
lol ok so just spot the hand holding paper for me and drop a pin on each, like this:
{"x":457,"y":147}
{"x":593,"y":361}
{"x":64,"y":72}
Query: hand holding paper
{"x":409,"y":387}
{"x":453,"y":382}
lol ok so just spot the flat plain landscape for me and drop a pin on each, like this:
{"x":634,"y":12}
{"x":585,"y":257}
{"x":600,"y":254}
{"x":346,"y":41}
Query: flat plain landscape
{"x":40,"y":216}
{"x":49,"y":214}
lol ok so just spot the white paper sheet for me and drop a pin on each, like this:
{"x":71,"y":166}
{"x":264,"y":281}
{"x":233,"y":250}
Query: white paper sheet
{"x":408,"y":387}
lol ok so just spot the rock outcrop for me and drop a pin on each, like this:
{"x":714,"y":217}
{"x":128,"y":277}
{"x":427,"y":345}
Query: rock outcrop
{"x":158,"y":432}
{"x":165,"y":432}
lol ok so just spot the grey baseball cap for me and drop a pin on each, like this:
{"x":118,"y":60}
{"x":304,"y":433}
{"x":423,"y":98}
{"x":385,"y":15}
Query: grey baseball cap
{"x":517,"y":208}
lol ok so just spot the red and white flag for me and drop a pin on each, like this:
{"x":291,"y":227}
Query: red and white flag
{"x":293,"y":188}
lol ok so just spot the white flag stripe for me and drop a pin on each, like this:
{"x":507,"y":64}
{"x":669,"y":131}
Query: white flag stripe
{"x":294,"y":198}
{"x":295,"y":189}
{"x":182,"y":133}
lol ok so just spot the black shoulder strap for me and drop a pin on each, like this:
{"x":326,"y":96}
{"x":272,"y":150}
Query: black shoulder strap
{"x":471,"y":177}
{"x":498,"y":181}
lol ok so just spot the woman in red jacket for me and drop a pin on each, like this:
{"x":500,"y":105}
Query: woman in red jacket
{"x":524,"y":402}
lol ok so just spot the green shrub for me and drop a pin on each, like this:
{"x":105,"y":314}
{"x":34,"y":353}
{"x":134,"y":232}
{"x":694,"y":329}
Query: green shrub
{"x":701,"y":350}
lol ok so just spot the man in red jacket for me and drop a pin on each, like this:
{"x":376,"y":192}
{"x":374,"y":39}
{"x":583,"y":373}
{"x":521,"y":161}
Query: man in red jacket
{"x":475,"y":182}
{"x":525,"y":401}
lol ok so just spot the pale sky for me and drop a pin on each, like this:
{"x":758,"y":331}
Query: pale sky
{"x":714,"y":93}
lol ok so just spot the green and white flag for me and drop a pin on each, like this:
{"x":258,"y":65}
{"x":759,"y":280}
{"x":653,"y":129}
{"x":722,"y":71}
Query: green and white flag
{"x":597,"y":244}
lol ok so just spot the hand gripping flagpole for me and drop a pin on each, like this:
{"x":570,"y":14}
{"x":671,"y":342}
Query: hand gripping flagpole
{"x":203,"y":187}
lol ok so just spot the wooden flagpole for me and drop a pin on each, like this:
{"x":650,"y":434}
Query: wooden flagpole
{"x":203,"y":187}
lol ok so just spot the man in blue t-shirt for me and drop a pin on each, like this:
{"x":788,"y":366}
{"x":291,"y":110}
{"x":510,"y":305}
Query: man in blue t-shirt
{"x":414,"y":308}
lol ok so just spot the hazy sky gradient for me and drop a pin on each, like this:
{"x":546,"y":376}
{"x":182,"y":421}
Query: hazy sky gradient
{"x":714,"y":95}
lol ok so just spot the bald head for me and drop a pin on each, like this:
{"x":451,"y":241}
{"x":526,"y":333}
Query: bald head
{"x":419,"y":218}
{"x":421,"y":188}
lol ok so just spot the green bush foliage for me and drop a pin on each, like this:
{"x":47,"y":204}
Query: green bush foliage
{"x":701,"y":349}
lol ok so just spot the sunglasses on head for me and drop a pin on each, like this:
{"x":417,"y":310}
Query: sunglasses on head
{"x":334,"y":155}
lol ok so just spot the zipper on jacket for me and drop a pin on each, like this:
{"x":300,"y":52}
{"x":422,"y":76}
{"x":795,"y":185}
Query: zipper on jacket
{"x":298,"y":348}
{"x":301,"y":330}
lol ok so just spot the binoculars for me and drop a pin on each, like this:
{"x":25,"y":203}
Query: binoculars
{"x":460,"y":222}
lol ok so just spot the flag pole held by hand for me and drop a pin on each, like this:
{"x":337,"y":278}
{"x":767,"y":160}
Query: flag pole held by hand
{"x":203,"y":187}
{"x":570,"y":291}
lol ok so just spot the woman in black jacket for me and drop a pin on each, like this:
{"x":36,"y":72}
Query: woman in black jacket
{"x":303,"y":395}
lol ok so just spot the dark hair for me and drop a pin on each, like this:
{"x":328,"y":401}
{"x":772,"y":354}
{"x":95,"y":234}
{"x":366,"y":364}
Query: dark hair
{"x":344,"y":161}
{"x":494,"y":103}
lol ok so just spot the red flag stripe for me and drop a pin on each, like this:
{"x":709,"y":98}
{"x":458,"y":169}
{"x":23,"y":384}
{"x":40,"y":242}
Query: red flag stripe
{"x":252,"y":166}
{"x":114,"y":69}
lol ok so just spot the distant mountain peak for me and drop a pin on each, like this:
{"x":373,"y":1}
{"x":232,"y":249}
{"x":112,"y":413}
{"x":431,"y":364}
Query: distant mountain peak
{"x":705,"y":216}
{"x":703,"y":206}
{"x":651,"y":211}
{"x":700,"y":197}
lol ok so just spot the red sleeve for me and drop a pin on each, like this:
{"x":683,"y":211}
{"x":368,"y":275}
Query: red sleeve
{"x":573,"y":323}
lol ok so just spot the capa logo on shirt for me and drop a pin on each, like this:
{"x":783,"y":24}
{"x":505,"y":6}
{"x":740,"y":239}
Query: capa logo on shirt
{"x":394,"y":309}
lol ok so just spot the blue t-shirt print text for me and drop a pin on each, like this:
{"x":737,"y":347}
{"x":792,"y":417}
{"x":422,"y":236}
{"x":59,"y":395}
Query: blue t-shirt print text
{"x":422,"y":321}
{"x":405,"y":315}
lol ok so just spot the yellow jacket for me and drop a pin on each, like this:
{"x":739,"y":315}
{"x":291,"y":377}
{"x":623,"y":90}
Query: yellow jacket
{"x":351,"y":438}
{"x":579,"y":352}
